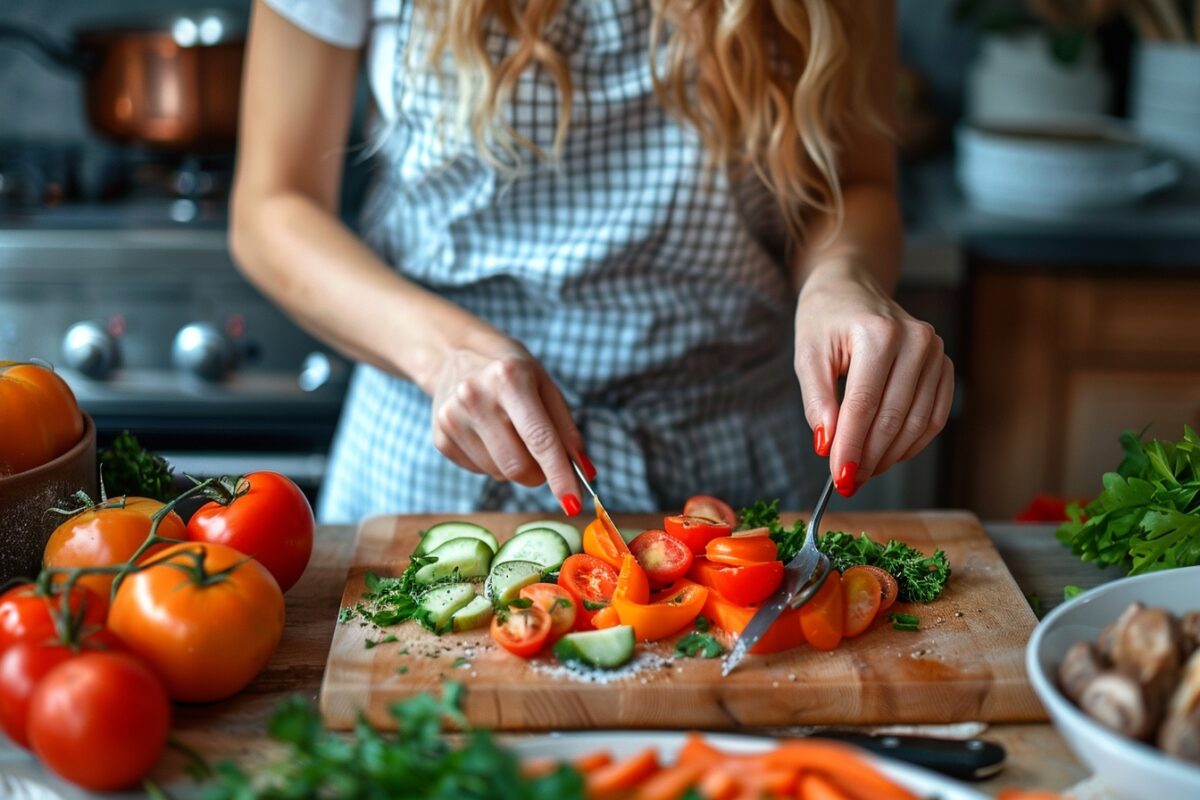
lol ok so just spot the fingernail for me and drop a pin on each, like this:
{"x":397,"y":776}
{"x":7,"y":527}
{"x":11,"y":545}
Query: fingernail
{"x":571,"y":504}
{"x":588,"y":469}
{"x":820,"y":443}
{"x":845,"y":482}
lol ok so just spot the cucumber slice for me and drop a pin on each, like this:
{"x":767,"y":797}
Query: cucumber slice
{"x":566,"y":530}
{"x":463,"y":559}
{"x":508,"y":579}
{"x":629,"y":534}
{"x":606,"y":649}
{"x":474,"y":614}
{"x":541,"y":546}
{"x":441,"y":603}
{"x":444,"y":532}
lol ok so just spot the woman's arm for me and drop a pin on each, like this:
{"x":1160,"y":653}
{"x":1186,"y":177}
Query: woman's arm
{"x":899,"y":382}
{"x":495,"y":409}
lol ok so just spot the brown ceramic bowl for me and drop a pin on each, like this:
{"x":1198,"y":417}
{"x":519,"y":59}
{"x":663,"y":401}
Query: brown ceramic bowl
{"x":24,"y":498}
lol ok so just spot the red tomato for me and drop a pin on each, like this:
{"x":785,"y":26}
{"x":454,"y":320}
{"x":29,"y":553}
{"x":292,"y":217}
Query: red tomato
{"x":742,"y":586}
{"x":823,"y":617}
{"x":263,"y":515}
{"x":100,"y":720}
{"x":665,"y":558}
{"x":695,"y":532}
{"x":522,"y":631}
{"x":861,"y":594}
{"x":589,"y":581}
{"x":741,"y":551}
{"x":557,"y":602}
{"x":887,"y":583}
{"x":703,"y":505}
{"x":22,"y":668}
{"x":26,"y":615}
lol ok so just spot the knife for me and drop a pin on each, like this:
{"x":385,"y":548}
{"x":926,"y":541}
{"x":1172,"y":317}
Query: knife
{"x":601,"y":514}
{"x":964,"y":759}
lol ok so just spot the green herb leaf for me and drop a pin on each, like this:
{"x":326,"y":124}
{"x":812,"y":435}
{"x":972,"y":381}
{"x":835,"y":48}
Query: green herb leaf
{"x":371,"y":644}
{"x":594,"y":606}
{"x":702,"y":624}
{"x":702,"y":645}
{"x":460,"y":662}
{"x":129,"y":469}
{"x":1071,"y":591}
{"x":904,"y":622}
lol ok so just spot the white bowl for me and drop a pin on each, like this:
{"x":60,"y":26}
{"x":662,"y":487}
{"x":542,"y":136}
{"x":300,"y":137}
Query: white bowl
{"x":1127,"y":767}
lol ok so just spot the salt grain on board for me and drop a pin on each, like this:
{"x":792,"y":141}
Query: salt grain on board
{"x":642,"y":663}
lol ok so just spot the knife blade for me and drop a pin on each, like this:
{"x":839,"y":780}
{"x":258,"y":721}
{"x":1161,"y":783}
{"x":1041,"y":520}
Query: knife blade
{"x":601,"y":513}
{"x":964,"y":759}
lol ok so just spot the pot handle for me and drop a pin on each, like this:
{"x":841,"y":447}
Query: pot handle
{"x":52,"y":50}
{"x":1155,"y":177}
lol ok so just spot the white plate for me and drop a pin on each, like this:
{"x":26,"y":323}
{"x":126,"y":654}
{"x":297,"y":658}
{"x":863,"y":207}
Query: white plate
{"x":626,"y":743}
{"x":1127,"y":767}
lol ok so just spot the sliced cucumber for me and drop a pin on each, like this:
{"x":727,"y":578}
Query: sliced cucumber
{"x":444,"y":532}
{"x":566,"y":530}
{"x":474,"y":614}
{"x":541,"y":546}
{"x":629,"y":534}
{"x":441,"y":603}
{"x":606,"y":649}
{"x":463,"y":559}
{"x":508,"y":579}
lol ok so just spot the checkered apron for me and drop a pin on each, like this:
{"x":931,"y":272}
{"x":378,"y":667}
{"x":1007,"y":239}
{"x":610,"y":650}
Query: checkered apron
{"x":655,"y":294}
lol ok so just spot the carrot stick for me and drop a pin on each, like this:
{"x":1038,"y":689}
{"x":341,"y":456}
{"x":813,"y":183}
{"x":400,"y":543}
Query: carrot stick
{"x":697,"y":750}
{"x":591,"y":762}
{"x":671,"y":783}
{"x":841,"y":764}
{"x":815,"y":787}
{"x":718,"y":783}
{"x":622,"y":775}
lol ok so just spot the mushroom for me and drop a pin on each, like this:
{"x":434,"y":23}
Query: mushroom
{"x":1147,"y":647}
{"x":1186,"y":697}
{"x":1117,"y":700}
{"x":1079,"y":668}
{"x":1180,"y":736}
{"x":1108,"y":637}
{"x":1190,"y":623}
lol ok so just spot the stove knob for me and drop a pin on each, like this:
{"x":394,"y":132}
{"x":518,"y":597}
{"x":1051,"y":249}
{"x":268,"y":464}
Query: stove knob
{"x":89,"y":348}
{"x":203,"y":351}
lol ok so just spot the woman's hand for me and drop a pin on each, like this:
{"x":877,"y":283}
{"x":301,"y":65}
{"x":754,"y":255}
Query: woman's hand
{"x":899,"y":381}
{"x":496,"y":411}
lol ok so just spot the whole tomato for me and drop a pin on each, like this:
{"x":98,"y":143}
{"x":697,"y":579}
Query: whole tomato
{"x":27,"y":613}
{"x":205,"y":617}
{"x":99,"y":720}
{"x":23,"y":666}
{"x":263,"y":515}
{"x":50,"y":420}
{"x":106,"y":534}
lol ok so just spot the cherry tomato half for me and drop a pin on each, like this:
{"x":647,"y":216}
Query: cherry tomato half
{"x":695,"y":532}
{"x":739,"y":551}
{"x":522,"y":631}
{"x":861,"y":594}
{"x":665,"y":558}
{"x":590,"y":582}
{"x":887,"y":583}
{"x":703,"y":505}
{"x":557,"y":602}
{"x":741,"y":586}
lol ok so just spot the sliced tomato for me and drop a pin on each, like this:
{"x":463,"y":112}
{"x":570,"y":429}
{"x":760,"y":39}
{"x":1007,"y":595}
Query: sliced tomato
{"x":695,"y":532}
{"x":823,"y":617}
{"x":665,"y":558}
{"x":601,"y":543}
{"x":733,"y":618}
{"x":557,"y":602}
{"x":590,"y":582}
{"x":703,"y":505}
{"x":670,"y":612}
{"x":743,"y":586}
{"x":740,"y":551}
{"x":887,"y":582}
{"x":861,"y":594}
{"x":522,"y":631}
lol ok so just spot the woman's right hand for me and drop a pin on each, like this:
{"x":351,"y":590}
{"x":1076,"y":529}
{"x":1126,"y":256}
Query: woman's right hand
{"x":496,"y":411}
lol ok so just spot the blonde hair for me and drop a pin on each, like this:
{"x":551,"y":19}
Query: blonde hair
{"x":767,"y":84}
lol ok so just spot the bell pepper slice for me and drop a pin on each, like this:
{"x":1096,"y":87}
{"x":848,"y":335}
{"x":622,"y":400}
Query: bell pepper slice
{"x":823,"y":617}
{"x":785,"y":634}
{"x":669,"y":612}
{"x":604,"y":544}
{"x":744,"y":585}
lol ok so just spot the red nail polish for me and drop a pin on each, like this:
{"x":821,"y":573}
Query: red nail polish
{"x":845,"y":482}
{"x":588,"y":469}
{"x":820,"y":442}
{"x":571,"y":504}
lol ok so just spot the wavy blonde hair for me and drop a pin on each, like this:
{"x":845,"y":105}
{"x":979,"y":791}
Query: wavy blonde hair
{"x":770,"y":85}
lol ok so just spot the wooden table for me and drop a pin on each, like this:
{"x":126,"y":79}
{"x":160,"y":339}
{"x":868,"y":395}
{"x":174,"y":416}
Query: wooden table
{"x":235,"y":729}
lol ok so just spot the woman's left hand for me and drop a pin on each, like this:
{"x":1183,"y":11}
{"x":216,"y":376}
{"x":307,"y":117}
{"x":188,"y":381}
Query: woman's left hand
{"x":899,"y":381}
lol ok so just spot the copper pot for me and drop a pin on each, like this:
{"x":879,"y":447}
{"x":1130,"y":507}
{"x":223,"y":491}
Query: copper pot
{"x":171,"y":83}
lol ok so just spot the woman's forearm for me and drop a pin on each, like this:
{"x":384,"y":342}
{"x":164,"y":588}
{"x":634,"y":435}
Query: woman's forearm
{"x":868,"y":242}
{"x":302,"y":257}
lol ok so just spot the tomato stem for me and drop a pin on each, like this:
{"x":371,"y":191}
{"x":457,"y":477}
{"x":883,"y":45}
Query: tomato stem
{"x":225,"y":489}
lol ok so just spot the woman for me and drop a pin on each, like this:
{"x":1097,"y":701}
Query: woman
{"x":663,"y":228}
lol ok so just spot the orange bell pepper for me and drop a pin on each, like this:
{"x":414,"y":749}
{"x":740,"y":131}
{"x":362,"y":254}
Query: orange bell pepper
{"x":785,"y":634}
{"x":606,"y":545}
{"x":606,"y":618}
{"x":823,"y":617}
{"x":670,"y":612}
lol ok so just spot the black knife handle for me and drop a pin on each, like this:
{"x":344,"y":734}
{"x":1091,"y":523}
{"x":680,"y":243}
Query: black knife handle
{"x":964,"y":759}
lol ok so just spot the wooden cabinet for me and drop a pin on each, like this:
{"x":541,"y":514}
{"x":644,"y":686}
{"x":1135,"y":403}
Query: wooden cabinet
{"x":1058,"y":366}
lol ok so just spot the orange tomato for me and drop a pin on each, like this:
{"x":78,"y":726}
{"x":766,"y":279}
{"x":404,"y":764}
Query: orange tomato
{"x":601,"y":543}
{"x":557,"y":602}
{"x":41,"y":419}
{"x":823,"y":617}
{"x":741,"y":551}
{"x":108,"y":534}
{"x":863,"y":594}
{"x":205,"y":617}
{"x":670,"y":613}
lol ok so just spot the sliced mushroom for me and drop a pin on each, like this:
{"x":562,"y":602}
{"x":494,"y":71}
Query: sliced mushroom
{"x":1079,"y":667}
{"x":1108,"y":637}
{"x":1180,"y":736}
{"x":1186,"y":697}
{"x":1190,"y":624}
{"x":1147,"y":646}
{"x":1117,"y":700}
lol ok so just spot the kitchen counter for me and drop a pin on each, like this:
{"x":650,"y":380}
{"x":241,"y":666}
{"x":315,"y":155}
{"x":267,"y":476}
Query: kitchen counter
{"x":235,"y":729}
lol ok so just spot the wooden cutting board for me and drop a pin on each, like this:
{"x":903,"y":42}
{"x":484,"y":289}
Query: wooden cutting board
{"x":966,"y":662}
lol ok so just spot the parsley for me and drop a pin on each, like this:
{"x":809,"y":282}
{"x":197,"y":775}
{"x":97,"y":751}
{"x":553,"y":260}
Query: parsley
{"x":1071,"y":591}
{"x":904,"y":622}
{"x":370,"y":643}
{"x":415,"y":762}
{"x":594,"y":606}
{"x":702,"y":624}
{"x":560,"y":602}
{"x":402,"y":669}
{"x":696,"y":644}
{"x":129,"y":469}
{"x":1147,"y":517}
{"x":762,"y":514}
{"x":391,"y":601}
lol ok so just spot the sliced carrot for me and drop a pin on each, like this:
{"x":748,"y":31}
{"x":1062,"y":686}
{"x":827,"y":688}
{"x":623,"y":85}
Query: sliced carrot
{"x":697,"y":750}
{"x":538,"y":767}
{"x":861,"y":595}
{"x":841,"y":764}
{"x":671,"y":783}
{"x":815,"y":787}
{"x":1027,"y":794}
{"x":590,"y":762}
{"x":622,"y":775}
{"x":775,"y":781}
{"x":719,"y":783}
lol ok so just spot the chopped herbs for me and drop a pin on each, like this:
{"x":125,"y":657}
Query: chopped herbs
{"x":391,"y":601}
{"x":460,"y":662}
{"x":702,"y":624}
{"x":905,"y":622}
{"x":1071,"y":591}
{"x":591,"y":605}
{"x":402,"y":669}
{"x":699,"y":645}
{"x":129,"y":469}
{"x":373,"y":643}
